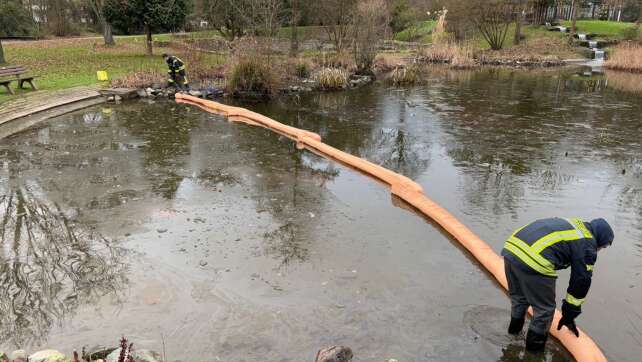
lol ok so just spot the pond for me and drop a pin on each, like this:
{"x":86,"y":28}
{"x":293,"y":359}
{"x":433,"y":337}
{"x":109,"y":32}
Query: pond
{"x":219,"y":241}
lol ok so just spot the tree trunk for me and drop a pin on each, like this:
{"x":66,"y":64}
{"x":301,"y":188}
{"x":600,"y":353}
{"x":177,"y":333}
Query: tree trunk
{"x":637,"y":23}
{"x":148,"y":32}
{"x":108,"y":35}
{"x":294,"y":40}
{"x":574,"y":16}
{"x":2,"y":61}
{"x":518,"y":29}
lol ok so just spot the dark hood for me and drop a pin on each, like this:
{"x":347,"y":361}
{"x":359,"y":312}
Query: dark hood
{"x":602,"y":232}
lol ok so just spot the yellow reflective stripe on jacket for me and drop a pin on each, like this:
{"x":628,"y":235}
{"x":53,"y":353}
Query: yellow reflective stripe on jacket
{"x":579,"y":231}
{"x":578,"y":224}
{"x":531,"y":254}
{"x":575,"y":301}
{"x":524,"y":253}
{"x":554,"y":238}
{"x":589,"y":267}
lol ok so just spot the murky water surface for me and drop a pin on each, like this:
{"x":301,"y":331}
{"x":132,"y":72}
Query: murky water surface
{"x":163,"y":223}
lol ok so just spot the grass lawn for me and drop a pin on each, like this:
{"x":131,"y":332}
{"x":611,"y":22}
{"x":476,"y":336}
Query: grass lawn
{"x":536,"y":41}
{"x":65,"y":63}
{"x":610,"y":29}
{"x":421,"y":32}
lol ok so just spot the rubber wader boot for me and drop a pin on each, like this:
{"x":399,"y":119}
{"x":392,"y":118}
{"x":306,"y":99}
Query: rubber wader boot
{"x":535,"y":342}
{"x":515,"y":326}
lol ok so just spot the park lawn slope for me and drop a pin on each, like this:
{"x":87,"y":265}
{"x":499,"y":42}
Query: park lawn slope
{"x":608,"y":29}
{"x":420,"y":32}
{"x":65,"y":63}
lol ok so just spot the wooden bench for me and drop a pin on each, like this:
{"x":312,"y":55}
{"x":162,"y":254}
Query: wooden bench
{"x":16,"y":74}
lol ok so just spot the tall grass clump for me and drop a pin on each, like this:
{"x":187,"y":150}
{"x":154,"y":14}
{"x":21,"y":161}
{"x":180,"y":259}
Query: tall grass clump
{"x":252,"y":75}
{"x":626,"y":57}
{"x":401,"y":76}
{"x":331,"y":78}
{"x":252,"y":70}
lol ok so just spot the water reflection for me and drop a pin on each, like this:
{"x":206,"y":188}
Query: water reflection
{"x":166,"y":140}
{"x":488,"y":144}
{"x":50,"y":262}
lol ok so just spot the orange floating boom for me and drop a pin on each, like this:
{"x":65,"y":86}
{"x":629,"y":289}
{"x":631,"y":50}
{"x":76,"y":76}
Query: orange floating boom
{"x":583,"y":348}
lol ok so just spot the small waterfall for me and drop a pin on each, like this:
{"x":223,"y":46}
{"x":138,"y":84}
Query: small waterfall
{"x":563,"y":29}
{"x":593,"y":44}
{"x":598,"y":54}
{"x":582,"y":36}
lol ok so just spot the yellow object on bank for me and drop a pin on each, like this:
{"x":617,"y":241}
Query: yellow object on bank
{"x":102,"y":75}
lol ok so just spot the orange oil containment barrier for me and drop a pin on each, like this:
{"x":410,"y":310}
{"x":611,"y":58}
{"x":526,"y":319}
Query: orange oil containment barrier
{"x":583,"y":348}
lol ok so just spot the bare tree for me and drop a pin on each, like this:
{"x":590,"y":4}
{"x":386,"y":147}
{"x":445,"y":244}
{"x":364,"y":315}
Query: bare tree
{"x":574,"y":11}
{"x":519,"y":14}
{"x":233,"y":18}
{"x":294,"y":22}
{"x":637,"y":22}
{"x":97,"y":8}
{"x":267,"y":16}
{"x":228,"y":17}
{"x":370,"y":27}
{"x":337,"y":17}
{"x":2,"y":61}
{"x":492,"y":20}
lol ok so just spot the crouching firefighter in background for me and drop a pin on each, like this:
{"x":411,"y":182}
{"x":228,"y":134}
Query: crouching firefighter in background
{"x":177,"y":75}
{"x":531,"y":257}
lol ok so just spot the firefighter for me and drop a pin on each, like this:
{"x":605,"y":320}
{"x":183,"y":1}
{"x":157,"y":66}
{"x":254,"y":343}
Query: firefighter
{"x":532,"y":254}
{"x":177,"y":75}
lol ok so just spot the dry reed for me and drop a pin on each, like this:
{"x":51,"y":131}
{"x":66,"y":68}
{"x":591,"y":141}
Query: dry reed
{"x":459,"y":56}
{"x":626,"y":57}
{"x":331,"y":78}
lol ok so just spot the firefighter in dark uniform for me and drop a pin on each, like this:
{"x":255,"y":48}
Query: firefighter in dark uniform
{"x":177,"y":75}
{"x":531,"y":257}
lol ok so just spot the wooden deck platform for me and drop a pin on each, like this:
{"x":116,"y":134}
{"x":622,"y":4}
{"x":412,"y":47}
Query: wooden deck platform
{"x":41,"y":101}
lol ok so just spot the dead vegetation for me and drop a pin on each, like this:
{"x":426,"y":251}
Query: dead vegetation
{"x":626,"y":57}
{"x":331,"y":78}
{"x":401,"y":76}
{"x":455,"y":54}
{"x":141,"y":79}
{"x":546,"y":51}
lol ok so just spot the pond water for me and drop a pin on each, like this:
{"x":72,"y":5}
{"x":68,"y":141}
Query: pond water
{"x":218,"y":241}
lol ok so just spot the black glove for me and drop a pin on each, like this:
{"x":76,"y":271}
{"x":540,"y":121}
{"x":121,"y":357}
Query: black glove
{"x":569,"y":313}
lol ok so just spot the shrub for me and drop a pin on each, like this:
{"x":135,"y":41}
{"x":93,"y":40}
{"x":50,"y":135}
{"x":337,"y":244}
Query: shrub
{"x":252,"y":75}
{"x":302,"y":68}
{"x":252,"y":68}
{"x":15,"y":20}
{"x":369,"y":30}
{"x":402,"y":16}
{"x":405,"y":75}
{"x":331,"y":78}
